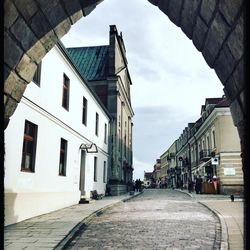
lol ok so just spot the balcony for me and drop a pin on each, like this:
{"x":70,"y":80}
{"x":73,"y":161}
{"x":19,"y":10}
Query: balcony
{"x":205,"y":154}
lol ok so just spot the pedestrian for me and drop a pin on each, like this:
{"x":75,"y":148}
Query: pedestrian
{"x":198,"y":185}
{"x":133,"y":183}
{"x":215,"y":181}
{"x":181,"y":184}
{"x":108,"y":191}
{"x":190,"y":185}
{"x":139,"y":185}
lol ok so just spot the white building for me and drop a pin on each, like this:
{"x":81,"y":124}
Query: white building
{"x":43,"y":159}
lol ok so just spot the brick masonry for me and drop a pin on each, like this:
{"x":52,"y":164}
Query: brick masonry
{"x":216,"y":28}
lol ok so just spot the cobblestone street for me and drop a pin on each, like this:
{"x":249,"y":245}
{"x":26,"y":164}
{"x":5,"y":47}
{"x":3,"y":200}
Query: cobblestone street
{"x":157,"y":219}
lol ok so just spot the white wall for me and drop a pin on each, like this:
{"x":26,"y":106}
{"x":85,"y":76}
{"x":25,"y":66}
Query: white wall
{"x":30,"y":194}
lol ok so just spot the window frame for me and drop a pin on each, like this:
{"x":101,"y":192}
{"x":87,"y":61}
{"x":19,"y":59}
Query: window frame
{"x":37,"y":76}
{"x":26,"y":139}
{"x":95,"y":169}
{"x":104,"y":172}
{"x":63,"y":156}
{"x":213,"y":138}
{"x":105,"y":132}
{"x":96,"y":124}
{"x":65,"y":92}
{"x":84,"y":111}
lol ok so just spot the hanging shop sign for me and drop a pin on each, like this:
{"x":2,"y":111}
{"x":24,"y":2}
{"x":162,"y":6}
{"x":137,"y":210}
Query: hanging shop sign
{"x":215,"y":161}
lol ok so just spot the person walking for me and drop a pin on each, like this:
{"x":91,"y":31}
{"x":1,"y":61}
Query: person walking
{"x":139,"y":185}
{"x":198,"y":185}
{"x":190,"y":185}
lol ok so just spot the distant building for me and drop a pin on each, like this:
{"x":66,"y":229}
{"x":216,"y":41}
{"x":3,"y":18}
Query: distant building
{"x":106,"y":69}
{"x":209,"y":147}
{"x":168,"y":164}
{"x":215,"y":147}
{"x":56,"y":143}
{"x":148,"y":179}
{"x":157,"y":173}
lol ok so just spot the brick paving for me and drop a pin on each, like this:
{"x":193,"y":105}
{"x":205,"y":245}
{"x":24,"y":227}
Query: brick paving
{"x":55,"y":229}
{"x":157,"y":219}
{"x":52,"y":230}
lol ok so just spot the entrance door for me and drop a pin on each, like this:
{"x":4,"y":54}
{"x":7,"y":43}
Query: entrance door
{"x":82,"y":172}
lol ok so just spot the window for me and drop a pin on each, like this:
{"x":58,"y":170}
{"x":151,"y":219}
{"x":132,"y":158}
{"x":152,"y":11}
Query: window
{"x":29,"y":147}
{"x":195,"y":153}
{"x":65,"y":97}
{"x":104,"y":171}
{"x":213,"y":136}
{"x":105,"y":133}
{"x":84,"y":111}
{"x":95,"y":168}
{"x":208,"y":143}
{"x":192,"y":154}
{"x":119,"y":144}
{"x":203,"y":144}
{"x":125,"y":145}
{"x":63,"y":157}
{"x":96,"y":123}
{"x":37,"y":75}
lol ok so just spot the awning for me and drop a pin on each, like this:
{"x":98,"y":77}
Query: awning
{"x":203,"y":164}
{"x":89,"y":147}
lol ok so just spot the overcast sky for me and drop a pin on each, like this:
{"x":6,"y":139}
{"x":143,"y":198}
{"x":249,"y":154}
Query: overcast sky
{"x":170,"y":77}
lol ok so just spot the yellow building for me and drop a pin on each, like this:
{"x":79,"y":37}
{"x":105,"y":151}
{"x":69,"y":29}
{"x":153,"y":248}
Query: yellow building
{"x":209,"y":147}
{"x":215,"y":147}
{"x":168,"y":164}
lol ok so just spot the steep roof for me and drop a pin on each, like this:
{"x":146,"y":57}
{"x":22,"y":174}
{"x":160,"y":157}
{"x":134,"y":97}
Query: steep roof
{"x":91,"y":61}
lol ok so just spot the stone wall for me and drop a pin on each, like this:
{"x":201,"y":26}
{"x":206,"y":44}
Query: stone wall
{"x":216,"y":27}
{"x":31,"y":29}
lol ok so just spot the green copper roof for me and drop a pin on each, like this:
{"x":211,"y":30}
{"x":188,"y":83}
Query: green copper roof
{"x":91,"y":61}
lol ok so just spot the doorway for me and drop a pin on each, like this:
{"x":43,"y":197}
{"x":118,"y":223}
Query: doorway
{"x":82,"y":173}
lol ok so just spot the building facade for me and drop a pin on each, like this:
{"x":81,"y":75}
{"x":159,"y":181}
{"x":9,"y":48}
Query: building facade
{"x":215,"y":148}
{"x":209,"y":148}
{"x":56,"y":143}
{"x":106,"y":69}
{"x":148,"y":179}
{"x":168,"y":163}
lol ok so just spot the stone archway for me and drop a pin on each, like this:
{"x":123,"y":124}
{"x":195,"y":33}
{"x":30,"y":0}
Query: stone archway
{"x":32,"y":27}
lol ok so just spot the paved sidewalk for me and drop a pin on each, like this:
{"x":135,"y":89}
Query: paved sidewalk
{"x":53,"y":230}
{"x":231,"y":215}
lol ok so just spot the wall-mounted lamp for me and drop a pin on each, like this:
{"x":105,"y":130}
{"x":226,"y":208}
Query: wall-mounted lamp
{"x":89,"y":147}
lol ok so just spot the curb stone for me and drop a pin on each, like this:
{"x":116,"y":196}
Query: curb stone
{"x":84,"y":223}
{"x":224,"y":232}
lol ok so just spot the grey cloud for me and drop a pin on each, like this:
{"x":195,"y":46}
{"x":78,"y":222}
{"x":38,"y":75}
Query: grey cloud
{"x":155,"y":129}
